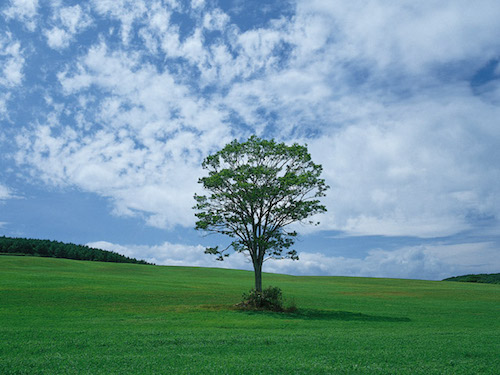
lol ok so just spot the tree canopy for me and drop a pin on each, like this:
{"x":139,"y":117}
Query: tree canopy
{"x":256,"y":190}
{"x":56,"y":249}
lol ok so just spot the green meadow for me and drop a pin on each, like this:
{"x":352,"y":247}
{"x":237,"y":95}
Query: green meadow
{"x":60,"y":316}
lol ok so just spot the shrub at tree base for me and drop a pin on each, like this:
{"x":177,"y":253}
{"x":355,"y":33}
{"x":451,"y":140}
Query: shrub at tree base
{"x":270,"y":299}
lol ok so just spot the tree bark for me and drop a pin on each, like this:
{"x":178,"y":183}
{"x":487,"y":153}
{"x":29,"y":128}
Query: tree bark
{"x":258,"y":277}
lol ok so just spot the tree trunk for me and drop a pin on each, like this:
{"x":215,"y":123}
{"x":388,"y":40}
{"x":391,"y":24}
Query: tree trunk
{"x":258,"y":277}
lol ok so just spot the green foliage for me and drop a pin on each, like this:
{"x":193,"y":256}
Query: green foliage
{"x":270,"y":298}
{"x":58,"y":316}
{"x":488,"y":278}
{"x":257,"y":188}
{"x":47,"y":248}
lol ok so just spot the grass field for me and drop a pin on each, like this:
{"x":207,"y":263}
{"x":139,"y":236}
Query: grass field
{"x":61,"y":316}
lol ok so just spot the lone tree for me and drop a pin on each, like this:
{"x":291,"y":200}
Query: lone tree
{"x":257,"y":188}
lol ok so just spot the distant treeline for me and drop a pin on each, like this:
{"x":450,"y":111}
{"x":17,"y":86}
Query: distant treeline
{"x":489,"y":278}
{"x":56,"y":249}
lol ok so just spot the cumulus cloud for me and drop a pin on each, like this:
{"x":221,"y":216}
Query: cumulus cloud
{"x":57,"y":38}
{"x":196,"y":4}
{"x":420,"y":168}
{"x":380,"y":92}
{"x":142,"y":158}
{"x":67,"y":22}
{"x":215,"y":20}
{"x":11,"y":61}
{"x":430,"y":262}
{"x":5,"y":192}
{"x":169,"y":254}
{"x":24,"y":11}
{"x":126,"y":11}
{"x":404,"y":35}
{"x":73,"y":18}
{"x":4,"y":98}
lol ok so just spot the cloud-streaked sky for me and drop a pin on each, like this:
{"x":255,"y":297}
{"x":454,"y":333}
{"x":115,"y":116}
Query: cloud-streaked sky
{"x":107,"y":109}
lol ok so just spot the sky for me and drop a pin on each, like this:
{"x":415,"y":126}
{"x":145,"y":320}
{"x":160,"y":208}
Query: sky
{"x":108,"y":107}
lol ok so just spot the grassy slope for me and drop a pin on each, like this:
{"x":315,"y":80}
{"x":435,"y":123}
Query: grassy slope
{"x":73,"y":317}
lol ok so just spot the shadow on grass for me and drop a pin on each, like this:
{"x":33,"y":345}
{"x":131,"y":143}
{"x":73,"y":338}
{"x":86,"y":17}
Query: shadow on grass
{"x":313,"y":314}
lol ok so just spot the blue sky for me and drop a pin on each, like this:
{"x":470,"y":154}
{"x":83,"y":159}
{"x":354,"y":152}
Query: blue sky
{"x":107,"y":109}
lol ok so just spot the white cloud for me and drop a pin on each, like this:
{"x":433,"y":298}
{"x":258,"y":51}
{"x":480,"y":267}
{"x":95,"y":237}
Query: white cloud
{"x":74,"y":19}
{"x":158,"y":26}
{"x":490,"y":92}
{"x":215,"y":20}
{"x":23,"y":10}
{"x":169,"y":254}
{"x":4,"y":98}
{"x":417,"y":168}
{"x":146,"y":156}
{"x":5,"y":192}
{"x":407,"y":35}
{"x":405,"y":151}
{"x":196,"y":4}
{"x":432,"y":262}
{"x":11,"y":60}
{"x":68,"y":22}
{"x":397,"y":164}
{"x":57,"y":38}
{"x":126,"y":11}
